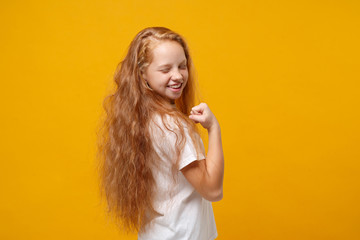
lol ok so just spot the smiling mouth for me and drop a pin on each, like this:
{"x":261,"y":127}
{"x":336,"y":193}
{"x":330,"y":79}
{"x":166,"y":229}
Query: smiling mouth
{"x":175,"y":86}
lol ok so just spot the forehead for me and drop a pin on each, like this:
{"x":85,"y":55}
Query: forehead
{"x":168,"y":52}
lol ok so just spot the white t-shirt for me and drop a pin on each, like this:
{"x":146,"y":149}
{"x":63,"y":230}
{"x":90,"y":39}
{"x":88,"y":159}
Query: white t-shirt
{"x":185,"y":214}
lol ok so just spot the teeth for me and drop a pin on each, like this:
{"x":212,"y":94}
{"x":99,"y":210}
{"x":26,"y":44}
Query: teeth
{"x":175,"y":86}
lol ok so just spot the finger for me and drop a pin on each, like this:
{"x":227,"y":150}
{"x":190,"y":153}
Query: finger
{"x":194,"y":112}
{"x":197,"y":118}
{"x":198,"y":108}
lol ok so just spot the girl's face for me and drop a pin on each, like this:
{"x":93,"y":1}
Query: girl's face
{"x":167,"y":74}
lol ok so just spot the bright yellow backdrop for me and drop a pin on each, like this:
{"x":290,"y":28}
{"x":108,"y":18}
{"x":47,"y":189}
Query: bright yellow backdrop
{"x":281,"y":76}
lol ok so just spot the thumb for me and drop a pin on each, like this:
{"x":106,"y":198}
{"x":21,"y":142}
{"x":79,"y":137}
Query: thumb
{"x":198,"y":109}
{"x":196,"y":118}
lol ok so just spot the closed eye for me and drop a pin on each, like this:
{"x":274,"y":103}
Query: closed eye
{"x":164,"y":70}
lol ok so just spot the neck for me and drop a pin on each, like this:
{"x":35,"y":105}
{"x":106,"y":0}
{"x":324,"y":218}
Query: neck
{"x":172,"y":103}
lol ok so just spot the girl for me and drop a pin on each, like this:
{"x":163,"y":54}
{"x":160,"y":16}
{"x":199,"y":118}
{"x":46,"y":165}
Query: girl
{"x":154,"y":174}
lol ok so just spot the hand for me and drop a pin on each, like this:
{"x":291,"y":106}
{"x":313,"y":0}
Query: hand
{"x":203,"y":115}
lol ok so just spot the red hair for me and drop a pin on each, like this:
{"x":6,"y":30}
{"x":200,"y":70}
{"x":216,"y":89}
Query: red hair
{"x":125,"y":145}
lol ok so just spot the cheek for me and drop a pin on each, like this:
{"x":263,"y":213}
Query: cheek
{"x":153,"y":78}
{"x":186,"y":75}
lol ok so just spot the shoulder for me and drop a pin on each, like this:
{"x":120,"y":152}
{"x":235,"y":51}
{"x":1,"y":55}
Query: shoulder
{"x":167,"y":124}
{"x":162,"y":129}
{"x":169,"y":130}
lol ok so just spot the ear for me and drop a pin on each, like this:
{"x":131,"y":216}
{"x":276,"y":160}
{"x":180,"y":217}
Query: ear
{"x":143,"y":75}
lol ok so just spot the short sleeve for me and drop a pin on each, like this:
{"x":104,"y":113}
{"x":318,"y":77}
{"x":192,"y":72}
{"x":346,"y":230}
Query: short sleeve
{"x":189,"y":153}
{"x":164,"y":142}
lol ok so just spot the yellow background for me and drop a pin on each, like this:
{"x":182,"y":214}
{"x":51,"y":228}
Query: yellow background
{"x":282,"y":77}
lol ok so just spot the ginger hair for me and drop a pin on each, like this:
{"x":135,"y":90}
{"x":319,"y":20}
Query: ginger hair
{"x":125,"y":150}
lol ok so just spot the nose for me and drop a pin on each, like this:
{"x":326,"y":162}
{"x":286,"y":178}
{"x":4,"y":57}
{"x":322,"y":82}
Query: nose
{"x":177,"y":76}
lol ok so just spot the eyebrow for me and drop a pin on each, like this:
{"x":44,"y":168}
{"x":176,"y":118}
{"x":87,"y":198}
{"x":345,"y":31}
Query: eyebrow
{"x":165,"y":66}
{"x":169,"y":65}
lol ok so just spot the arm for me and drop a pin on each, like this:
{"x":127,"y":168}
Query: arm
{"x":207,"y":175}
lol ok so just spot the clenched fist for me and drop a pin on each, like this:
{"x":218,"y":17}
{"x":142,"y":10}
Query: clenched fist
{"x":203,"y":115}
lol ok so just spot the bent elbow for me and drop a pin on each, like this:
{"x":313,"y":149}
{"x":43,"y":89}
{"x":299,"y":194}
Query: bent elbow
{"x":215,"y":196}
{"x":218,"y":197}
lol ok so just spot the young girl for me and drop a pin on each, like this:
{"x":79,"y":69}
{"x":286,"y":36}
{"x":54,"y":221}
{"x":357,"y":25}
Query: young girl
{"x":154,"y":174}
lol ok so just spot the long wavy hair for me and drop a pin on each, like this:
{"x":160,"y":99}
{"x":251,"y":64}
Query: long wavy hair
{"x":125,"y":150}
